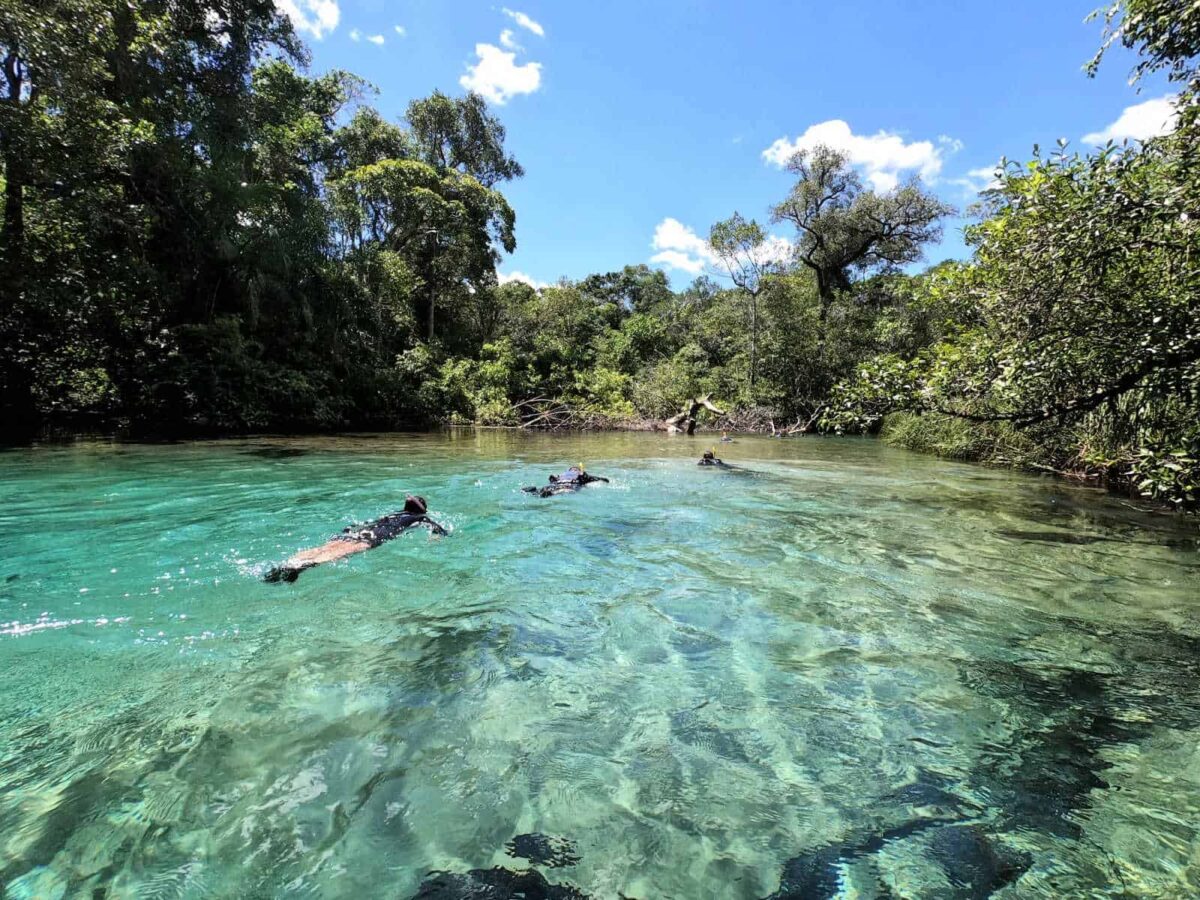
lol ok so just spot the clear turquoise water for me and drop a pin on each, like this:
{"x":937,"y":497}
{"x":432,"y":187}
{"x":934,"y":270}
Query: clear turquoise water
{"x":848,"y":672}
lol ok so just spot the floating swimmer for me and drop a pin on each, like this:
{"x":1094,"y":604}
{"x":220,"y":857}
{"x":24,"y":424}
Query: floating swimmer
{"x":356,"y":539}
{"x":571,"y":480}
{"x":710,"y":459}
{"x":725,"y":438}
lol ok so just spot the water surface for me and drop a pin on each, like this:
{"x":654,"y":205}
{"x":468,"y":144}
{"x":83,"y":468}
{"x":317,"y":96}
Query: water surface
{"x":845,"y":671}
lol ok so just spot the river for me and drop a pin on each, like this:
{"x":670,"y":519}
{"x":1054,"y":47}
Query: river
{"x":839,"y":670}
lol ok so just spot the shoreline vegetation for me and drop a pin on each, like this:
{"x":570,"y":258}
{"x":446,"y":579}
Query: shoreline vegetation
{"x":200,"y":237}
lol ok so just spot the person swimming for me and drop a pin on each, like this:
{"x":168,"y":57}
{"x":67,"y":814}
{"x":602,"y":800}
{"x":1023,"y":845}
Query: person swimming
{"x":571,"y":480}
{"x":356,"y":539}
{"x":710,"y":459}
{"x":725,"y":438}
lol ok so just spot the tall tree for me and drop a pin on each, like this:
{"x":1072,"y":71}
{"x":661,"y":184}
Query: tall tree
{"x":844,"y":230}
{"x":748,"y":257}
{"x":460,"y":133}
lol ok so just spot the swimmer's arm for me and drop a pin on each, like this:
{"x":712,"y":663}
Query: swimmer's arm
{"x":434,"y":526}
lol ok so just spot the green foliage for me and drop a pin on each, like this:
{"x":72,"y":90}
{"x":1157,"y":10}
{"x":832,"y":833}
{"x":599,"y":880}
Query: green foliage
{"x":200,"y":236}
{"x":1078,"y":313}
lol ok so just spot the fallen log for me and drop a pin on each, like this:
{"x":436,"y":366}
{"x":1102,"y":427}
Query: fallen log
{"x":685,"y":422}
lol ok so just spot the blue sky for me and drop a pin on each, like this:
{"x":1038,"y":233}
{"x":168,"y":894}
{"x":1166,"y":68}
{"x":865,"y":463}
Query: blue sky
{"x":640,"y":124}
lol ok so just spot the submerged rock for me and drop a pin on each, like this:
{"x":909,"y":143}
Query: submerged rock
{"x":494,"y":884}
{"x":975,"y":862}
{"x":543,"y":850}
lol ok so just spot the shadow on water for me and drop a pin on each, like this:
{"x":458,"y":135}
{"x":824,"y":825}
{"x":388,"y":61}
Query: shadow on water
{"x":276,"y":452}
{"x":1042,"y":781}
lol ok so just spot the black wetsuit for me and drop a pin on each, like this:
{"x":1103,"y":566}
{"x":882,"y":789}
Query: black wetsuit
{"x":373,"y":534}
{"x":570,"y":480}
{"x":713,"y":461}
{"x":387,"y":527}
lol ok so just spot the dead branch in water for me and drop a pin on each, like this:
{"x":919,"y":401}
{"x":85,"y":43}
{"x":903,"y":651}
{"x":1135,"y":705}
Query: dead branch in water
{"x":547,"y":414}
{"x":685,"y":422}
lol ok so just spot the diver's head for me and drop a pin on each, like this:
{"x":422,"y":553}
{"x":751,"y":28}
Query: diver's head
{"x":414,"y":505}
{"x":708,"y":454}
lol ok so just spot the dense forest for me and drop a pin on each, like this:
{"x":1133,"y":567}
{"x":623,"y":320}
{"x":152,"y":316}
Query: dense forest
{"x":199,"y":236}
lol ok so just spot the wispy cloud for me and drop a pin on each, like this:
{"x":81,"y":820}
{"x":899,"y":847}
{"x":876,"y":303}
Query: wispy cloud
{"x":314,"y":17}
{"x":1139,"y":122}
{"x":884,"y":156}
{"x":376,"y":39}
{"x":497,"y":76}
{"x":508,"y":40}
{"x":975,"y":181}
{"x":401,"y":30}
{"x":355,"y":35}
{"x":525,"y":22}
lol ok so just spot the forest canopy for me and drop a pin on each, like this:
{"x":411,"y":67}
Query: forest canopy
{"x":201,"y":236}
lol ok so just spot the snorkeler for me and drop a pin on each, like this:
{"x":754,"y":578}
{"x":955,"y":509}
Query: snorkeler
{"x":725,"y":438}
{"x":710,"y":459}
{"x":356,"y":539}
{"x":571,"y":480}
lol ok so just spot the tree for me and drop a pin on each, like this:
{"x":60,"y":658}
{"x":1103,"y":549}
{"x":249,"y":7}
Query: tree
{"x":748,"y":257}
{"x":634,"y":289}
{"x":843,"y":230}
{"x":460,"y":133}
{"x":1081,"y":306}
{"x":1164,"y":33}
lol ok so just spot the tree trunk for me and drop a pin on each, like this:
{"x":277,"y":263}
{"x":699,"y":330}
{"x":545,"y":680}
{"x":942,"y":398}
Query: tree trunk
{"x":18,"y":409}
{"x":14,"y":177}
{"x":753,"y":341}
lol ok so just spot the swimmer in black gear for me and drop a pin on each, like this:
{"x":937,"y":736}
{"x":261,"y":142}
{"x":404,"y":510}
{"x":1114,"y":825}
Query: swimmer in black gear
{"x":571,"y":480}
{"x":356,"y":539}
{"x":710,"y":459}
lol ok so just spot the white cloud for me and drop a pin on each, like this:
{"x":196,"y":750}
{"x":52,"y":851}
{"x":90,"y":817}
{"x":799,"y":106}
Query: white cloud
{"x":525,"y":22}
{"x":883,"y":156}
{"x":376,"y":39}
{"x":355,"y":35}
{"x":505,"y":278}
{"x":677,"y":259}
{"x":1139,"y":122}
{"x":316,"y":17}
{"x":401,"y":30}
{"x":679,"y":247}
{"x":497,"y":76}
{"x":507,"y":40}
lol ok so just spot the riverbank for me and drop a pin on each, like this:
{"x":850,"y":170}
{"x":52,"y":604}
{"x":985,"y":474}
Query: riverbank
{"x":993,"y":446}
